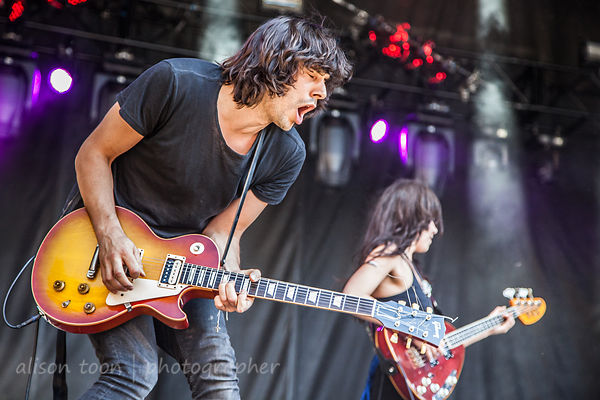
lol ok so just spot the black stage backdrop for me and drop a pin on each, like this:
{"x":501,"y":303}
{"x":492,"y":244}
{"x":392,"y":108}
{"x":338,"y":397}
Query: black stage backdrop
{"x":503,"y":229}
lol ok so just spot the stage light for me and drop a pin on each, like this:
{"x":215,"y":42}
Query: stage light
{"x":432,"y":158}
{"x":403,"y":144}
{"x":335,"y":139}
{"x":60,"y":80}
{"x":16,"y":10}
{"x":590,"y":53}
{"x":379,"y":130}
{"x":104,"y":93}
{"x":13,"y":95}
{"x":372,"y":36}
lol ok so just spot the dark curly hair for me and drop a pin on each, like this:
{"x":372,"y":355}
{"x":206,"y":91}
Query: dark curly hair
{"x":268,"y":61}
{"x":402,"y":212}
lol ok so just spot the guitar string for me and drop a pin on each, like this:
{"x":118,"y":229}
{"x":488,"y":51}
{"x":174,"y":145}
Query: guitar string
{"x":454,"y":339}
{"x":153,"y":262}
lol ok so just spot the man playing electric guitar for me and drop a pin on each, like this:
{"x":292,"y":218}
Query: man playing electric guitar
{"x":174,"y":149}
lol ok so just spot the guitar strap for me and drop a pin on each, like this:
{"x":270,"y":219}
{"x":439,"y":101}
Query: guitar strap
{"x":249,"y":175}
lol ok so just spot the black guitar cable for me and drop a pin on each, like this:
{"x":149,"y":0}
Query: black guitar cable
{"x":34,"y":318}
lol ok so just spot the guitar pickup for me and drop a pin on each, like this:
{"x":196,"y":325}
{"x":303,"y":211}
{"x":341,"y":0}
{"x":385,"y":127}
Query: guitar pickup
{"x":169,"y":277}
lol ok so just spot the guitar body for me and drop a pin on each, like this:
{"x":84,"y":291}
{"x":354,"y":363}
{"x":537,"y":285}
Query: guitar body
{"x":419,"y":372}
{"x":74,"y":302}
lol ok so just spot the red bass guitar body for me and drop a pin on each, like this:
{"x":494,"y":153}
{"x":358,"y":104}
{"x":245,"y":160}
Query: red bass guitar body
{"x":433,"y":381}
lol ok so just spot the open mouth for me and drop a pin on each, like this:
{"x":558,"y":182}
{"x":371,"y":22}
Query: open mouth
{"x":302,"y":112}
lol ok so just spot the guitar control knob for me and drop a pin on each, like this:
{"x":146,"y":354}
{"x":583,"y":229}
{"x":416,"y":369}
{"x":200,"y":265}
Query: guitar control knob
{"x":434,"y":387}
{"x":425,"y":381}
{"x":89,"y":308}
{"x":421,"y":389}
{"x":83,"y":288}
{"x":451,"y":380}
{"x":444,"y":392}
{"x":58,"y":285}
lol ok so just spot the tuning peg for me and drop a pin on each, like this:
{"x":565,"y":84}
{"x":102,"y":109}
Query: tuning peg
{"x":423,"y":349}
{"x":415,"y":306}
{"x":509,"y":293}
{"x":530,"y":293}
{"x":408,"y":342}
{"x":429,"y":310}
{"x":522,"y":293}
{"x":394,"y":338}
{"x":402,"y":302}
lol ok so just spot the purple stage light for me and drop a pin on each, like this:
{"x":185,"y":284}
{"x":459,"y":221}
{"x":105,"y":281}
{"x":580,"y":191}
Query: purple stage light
{"x":35,"y":86}
{"x":403,"y":144}
{"x":379,"y":130}
{"x":60,"y":80}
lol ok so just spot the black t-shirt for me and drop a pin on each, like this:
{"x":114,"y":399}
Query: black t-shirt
{"x":182,"y":173}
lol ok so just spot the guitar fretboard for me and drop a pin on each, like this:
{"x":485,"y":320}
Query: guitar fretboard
{"x":264,"y":288}
{"x":461,"y":335}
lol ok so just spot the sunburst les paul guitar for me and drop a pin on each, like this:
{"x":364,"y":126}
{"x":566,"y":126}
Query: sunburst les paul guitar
{"x":435,"y":380}
{"x":69,"y":292}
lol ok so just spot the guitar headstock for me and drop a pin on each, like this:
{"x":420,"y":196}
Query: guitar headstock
{"x":532,"y":308}
{"x":422,"y":325}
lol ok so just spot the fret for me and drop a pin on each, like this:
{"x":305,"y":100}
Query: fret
{"x":253,"y":290}
{"x":198,"y":275}
{"x":270,"y":290}
{"x":245,"y":283}
{"x":280,"y":291}
{"x":224,"y":277}
{"x":194,"y":278}
{"x":351,"y":304}
{"x":290,"y":293}
{"x":325,"y":299}
{"x":312,"y":296}
{"x":238,"y":280}
{"x":190,"y":275}
{"x":212,"y":276}
{"x":184,"y":274}
{"x":301,"y":294}
{"x":262,"y":288}
{"x":203,"y":277}
{"x":365,"y":306}
{"x":337,"y":301}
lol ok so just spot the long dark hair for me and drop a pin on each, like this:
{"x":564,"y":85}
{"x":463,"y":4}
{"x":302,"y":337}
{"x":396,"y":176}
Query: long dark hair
{"x":402,"y":212}
{"x":268,"y":61}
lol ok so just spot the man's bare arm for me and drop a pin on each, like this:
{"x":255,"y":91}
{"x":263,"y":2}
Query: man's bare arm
{"x":112,"y":137}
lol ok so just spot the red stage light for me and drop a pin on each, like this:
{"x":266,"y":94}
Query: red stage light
{"x":372,"y":36}
{"x":429,"y":59}
{"x":75,"y":2}
{"x":427,"y":49}
{"x":16,"y":10}
{"x":406,"y":26}
{"x":417,"y":62}
{"x":440,"y":76}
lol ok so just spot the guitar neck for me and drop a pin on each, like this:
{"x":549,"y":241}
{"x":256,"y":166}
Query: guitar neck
{"x":271,"y":289}
{"x":459,"y":336}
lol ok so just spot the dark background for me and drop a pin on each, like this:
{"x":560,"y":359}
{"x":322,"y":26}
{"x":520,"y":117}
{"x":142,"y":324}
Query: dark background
{"x":529,"y":219}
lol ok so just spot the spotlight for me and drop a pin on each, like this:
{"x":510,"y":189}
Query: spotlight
{"x":12,"y":99}
{"x":104,"y":93}
{"x":336,"y":141}
{"x":379,"y":130}
{"x":19,"y":89}
{"x":60,"y":80}
{"x":590,"y":53}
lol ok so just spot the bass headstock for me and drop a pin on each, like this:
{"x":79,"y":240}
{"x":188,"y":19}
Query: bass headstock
{"x":423,"y":325}
{"x":531,"y":309}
